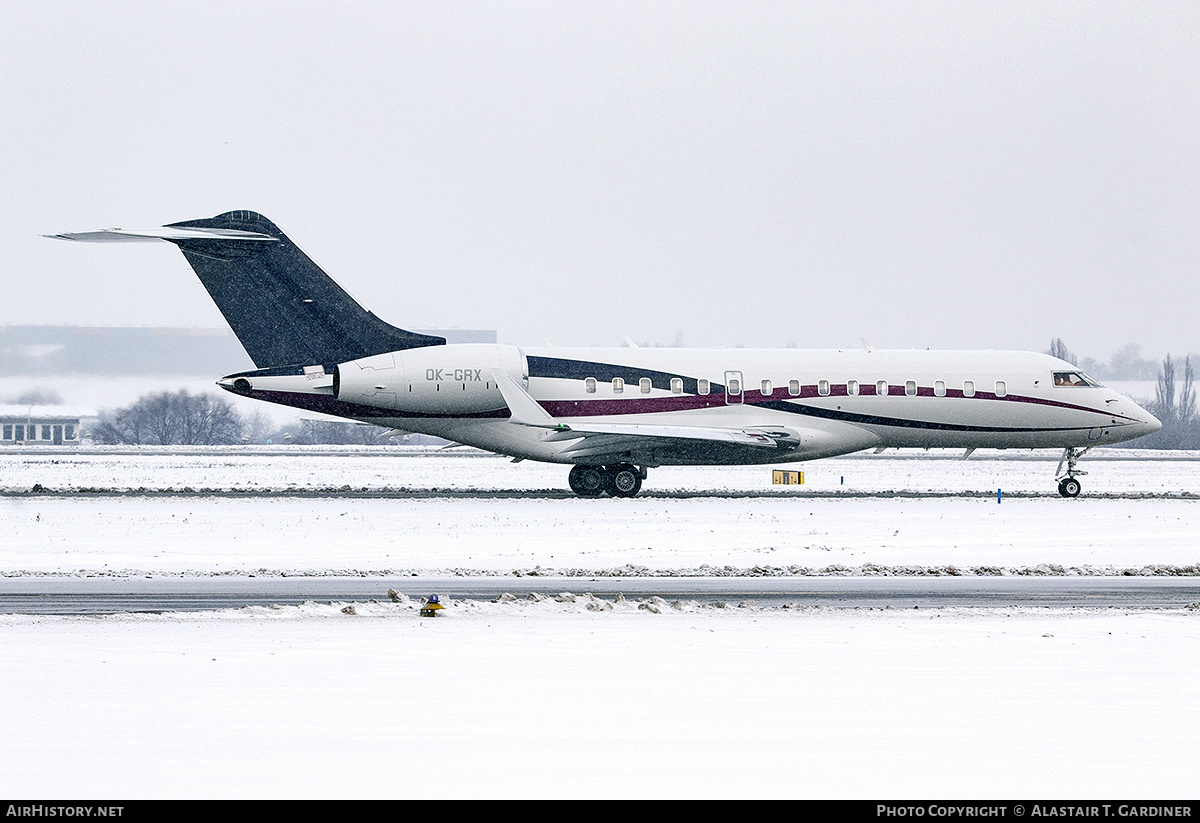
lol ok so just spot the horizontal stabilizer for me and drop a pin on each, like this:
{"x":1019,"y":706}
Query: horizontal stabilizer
{"x":164,"y":233}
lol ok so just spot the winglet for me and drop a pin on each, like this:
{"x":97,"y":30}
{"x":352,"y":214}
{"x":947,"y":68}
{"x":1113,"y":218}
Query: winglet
{"x":523,"y":407}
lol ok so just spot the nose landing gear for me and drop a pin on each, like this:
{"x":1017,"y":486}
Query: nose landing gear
{"x":1068,"y":486}
{"x":619,"y":480}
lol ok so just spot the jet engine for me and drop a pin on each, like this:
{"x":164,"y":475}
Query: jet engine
{"x":455,"y":379}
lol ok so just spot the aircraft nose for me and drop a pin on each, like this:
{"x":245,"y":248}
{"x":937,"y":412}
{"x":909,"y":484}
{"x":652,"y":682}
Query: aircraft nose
{"x":1147,"y":422}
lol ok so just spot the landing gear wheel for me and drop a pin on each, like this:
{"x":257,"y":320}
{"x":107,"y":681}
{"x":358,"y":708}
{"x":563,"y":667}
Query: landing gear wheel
{"x":587,"y":481}
{"x":1069,"y":487}
{"x":626,"y":480}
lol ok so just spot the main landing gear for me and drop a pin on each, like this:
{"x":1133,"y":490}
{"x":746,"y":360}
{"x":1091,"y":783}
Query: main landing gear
{"x":619,"y":480}
{"x":1068,"y":486}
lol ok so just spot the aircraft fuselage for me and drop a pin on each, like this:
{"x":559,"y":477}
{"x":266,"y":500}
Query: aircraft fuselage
{"x":835,"y":401}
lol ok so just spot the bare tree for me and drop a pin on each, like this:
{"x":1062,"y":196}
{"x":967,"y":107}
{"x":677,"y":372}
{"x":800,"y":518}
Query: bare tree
{"x":1059,"y":349}
{"x":1127,"y":364}
{"x":166,"y":419}
{"x":1186,"y":409}
{"x":209,"y":420}
{"x":1164,"y":393}
{"x":258,"y":428}
{"x":337,"y":433}
{"x":1175,"y":406}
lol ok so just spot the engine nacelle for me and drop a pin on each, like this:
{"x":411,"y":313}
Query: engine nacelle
{"x":435,"y":380}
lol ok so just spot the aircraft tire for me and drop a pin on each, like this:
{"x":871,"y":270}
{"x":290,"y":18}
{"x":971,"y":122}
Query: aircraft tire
{"x":588,"y":481}
{"x":625,"y":480}
{"x":1069,"y":487}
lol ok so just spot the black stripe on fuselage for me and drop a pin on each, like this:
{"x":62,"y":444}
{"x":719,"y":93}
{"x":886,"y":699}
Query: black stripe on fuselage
{"x":899,"y":422}
{"x":327,"y":404}
{"x":563,"y":369}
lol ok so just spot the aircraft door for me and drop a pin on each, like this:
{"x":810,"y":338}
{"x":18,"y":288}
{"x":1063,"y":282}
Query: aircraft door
{"x":733,"y":388}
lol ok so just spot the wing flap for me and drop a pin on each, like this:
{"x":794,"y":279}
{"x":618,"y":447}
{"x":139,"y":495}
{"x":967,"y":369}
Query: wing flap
{"x":650,"y":443}
{"x":740,"y":437}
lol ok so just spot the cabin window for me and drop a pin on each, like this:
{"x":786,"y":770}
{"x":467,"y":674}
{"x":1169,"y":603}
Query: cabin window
{"x":18,"y":432}
{"x":910,"y":388}
{"x":644,"y":385}
{"x":69,"y":432}
{"x":939,"y":388}
{"x":618,"y":384}
{"x":881,"y":388}
{"x":703,"y":386}
{"x":823,"y":388}
{"x":589,"y":385}
{"x":8,"y":432}
{"x":1074,"y":378}
{"x":46,"y":433}
{"x":764,"y":388}
{"x":734,"y":387}
{"x":968,"y":388}
{"x":676,"y":385}
{"x":851,"y":388}
{"x":1001,"y":388}
{"x":794,"y":388}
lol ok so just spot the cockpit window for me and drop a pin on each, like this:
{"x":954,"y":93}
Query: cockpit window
{"x":1074,"y":378}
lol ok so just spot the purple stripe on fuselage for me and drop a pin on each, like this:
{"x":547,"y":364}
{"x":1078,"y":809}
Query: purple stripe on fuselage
{"x":778,"y":398}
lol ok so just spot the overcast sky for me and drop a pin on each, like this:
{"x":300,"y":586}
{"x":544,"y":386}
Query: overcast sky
{"x":945,"y":175}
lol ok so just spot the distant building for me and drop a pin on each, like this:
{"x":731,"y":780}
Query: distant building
{"x":137,"y":350}
{"x":39,"y":426}
{"x":118,"y":351}
{"x":462,"y":335}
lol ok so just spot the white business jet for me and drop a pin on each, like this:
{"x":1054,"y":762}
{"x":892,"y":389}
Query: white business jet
{"x":614,"y":413}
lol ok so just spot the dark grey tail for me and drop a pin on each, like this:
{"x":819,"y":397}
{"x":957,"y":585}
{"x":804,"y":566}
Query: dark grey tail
{"x":282,"y":307}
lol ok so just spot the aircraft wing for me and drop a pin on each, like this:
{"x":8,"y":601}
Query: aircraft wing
{"x":595,"y":440}
{"x":598,"y":440}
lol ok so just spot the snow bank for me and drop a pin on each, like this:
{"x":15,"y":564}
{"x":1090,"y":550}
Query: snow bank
{"x":551,"y":698}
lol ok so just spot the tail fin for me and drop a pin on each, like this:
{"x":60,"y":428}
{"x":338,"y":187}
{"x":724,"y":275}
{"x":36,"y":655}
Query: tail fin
{"x":282,"y":307}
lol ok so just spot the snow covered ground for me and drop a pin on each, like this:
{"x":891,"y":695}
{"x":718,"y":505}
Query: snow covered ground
{"x":550,"y":699}
{"x":596,"y":698}
{"x":1111,"y":471}
{"x":354,"y":510}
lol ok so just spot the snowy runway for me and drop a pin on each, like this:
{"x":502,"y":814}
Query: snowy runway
{"x":321,"y":535}
{"x":558,"y":699}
